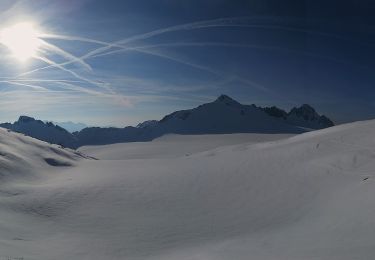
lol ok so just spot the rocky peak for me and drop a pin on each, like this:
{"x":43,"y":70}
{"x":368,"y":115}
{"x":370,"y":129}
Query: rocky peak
{"x":224,"y":99}
{"x":25,"y":119}
{"x":305,"y":111}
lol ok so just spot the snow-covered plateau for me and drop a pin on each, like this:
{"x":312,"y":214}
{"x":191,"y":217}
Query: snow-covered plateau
{"x":204,"y":197}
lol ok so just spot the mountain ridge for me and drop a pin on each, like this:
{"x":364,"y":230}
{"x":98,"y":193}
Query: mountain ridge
{"x":222,"y":116}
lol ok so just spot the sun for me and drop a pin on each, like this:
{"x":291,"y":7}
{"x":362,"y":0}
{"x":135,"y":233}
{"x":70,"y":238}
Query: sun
{"x":22,"y":39}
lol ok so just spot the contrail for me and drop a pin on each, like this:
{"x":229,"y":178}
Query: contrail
{"x":28,"y":81}
{"x":178,"y":60}
{"x":114,"y":95}
{"x":245,"y":81}
{"x":144,"y":49}
{"x":76,"y":75}
{"x":44,"y":80}
{"x":35,"y":87}
{"x":77,"y":38}
{"x":122,"y":44}
{"x":144,"y":36}
{"x":108,"y":46}
{"x":81,"y":89}
{"x":221,"y":22}
{"x":205,"y":68}
{"x":25,"y":82}
{"x":67,"y":84}
{"x":233,"y":45}
{"x":66,"y":55}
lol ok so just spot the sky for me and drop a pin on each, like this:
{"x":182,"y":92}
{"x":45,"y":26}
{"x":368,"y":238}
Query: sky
{"x":118,"y":63}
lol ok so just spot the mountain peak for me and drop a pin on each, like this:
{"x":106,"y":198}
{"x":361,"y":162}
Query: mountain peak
{"x":306,"y":111}
{"x":307,"y":107}
{"x":306,"y":115}
{"x":226,"y":100}
{"x":25,"y":119}
{"x":147,"y":123}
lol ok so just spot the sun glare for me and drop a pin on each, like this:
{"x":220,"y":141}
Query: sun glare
{"x":22,"y":40}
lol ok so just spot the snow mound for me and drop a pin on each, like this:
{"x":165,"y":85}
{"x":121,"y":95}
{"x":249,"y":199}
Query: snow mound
{"x":21,"y":155}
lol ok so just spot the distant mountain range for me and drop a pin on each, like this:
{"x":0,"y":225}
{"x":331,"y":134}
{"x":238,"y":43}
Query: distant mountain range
{"x":222,"y":116}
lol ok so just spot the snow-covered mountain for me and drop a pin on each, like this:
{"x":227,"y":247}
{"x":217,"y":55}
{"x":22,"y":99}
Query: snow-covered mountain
{"x":303,"y":116}
{"x":222,"y":116}
{"x":48,"y":132}
{"x":306,"y":116}
{"x":147,"y":123}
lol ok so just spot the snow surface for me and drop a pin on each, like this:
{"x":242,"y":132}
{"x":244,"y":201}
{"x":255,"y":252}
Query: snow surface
{"x":23,"y":156}
{"x":173,"y":146}
{"x":309,"y":196}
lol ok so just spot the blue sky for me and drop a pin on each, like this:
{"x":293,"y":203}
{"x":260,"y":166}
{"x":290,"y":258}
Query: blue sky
{"x":173,"y":55}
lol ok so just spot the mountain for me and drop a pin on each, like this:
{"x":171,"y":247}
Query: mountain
{"x":71,"y":126}
{"x":222,"y":116}
{"x":275,"y":112}
{"x":38,"y":129}
{"x":303,"y":116}
{"x":306,"y":116}
{"x":147,"y":123}
{"x":111,"y":135}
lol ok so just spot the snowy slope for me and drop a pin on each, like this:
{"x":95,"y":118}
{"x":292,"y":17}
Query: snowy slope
{"x":25,"y":157}
{"x":306,"y":197}
{"x":173,"y":146}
